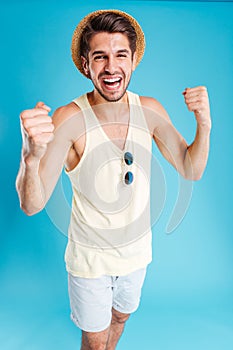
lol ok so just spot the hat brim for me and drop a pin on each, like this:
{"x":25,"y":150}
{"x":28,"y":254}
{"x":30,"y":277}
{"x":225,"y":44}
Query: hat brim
{"x":75,"y":46}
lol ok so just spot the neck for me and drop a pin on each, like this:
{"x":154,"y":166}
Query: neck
{"x":107,"y":110}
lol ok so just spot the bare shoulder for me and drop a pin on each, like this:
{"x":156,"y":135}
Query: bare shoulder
{"x":153,"y":105}
{"x":64,"y":113}
{"x":155,"y":114}
{"x":69,"y":122}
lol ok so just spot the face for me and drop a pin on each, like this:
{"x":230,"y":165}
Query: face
{"x":110,"y":65}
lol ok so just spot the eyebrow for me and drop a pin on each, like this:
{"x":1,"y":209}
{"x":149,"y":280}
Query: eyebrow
{"x":100,"y":52}
{"x":97,"y":53}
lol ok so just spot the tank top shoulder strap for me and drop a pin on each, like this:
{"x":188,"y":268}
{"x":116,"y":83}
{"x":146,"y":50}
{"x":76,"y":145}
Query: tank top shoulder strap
{"x":81,"y":101}
{"x":83,"y":104}
{"x":138,"y":117}
{"x":133,"y":98}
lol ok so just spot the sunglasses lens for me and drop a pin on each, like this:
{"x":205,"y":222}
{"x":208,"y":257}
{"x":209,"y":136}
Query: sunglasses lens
{"x":128,"y":178}
{"x":128,"y":157}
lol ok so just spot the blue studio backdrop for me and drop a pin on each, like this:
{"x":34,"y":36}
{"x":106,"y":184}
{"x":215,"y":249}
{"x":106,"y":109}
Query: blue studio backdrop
{"x":187,"y":297}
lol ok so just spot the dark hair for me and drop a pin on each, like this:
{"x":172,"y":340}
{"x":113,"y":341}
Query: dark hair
{"x":107,"y":22}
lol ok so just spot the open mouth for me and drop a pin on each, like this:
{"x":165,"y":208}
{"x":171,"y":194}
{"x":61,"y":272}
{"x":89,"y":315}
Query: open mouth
{"x":112,"y":83}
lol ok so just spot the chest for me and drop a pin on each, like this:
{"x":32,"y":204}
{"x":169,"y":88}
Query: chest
{"x":116,"y":132}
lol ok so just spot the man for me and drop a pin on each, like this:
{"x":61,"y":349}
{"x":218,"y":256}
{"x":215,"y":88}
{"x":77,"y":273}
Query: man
{"x":104,"y":140}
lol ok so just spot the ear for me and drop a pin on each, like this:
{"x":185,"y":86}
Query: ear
{"x":85,"y":66}
{"x":134,"y":61}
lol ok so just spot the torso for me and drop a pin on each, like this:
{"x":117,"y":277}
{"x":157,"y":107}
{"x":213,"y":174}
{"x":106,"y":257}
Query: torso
{"x":116,"y":132}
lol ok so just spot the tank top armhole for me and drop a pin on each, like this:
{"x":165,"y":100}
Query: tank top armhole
{"x":80,"y":102}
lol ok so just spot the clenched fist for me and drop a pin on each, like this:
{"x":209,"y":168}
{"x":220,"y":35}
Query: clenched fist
{"x":37,"y":130}
{"x":197,"y":101}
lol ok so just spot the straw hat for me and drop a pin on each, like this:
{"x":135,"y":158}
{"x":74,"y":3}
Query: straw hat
{"x":75,"y":47}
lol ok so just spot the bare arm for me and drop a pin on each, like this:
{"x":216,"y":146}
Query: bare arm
{"x":29,"y":186}
{"x":46,"y":142}
{"x":189,"y":160}
{"x":37,"y":131}
{"x":197,"y":153}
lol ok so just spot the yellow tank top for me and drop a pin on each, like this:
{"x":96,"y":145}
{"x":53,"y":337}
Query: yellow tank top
{"x":110,"y":229}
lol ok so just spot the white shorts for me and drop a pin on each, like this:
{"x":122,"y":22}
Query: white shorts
{"x":92,"y":299}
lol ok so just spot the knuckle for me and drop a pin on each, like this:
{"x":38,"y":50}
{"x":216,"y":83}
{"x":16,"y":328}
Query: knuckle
{"x":26,"y":124}
{"x":24,"y":114}
{"x":42,"y":111}
{"x":39,"y":139}
{"x":47,"y":119}
{"x":39,"y":103}
{"x":31,"y":132}
{"x":36,"y":140}
{"x":203,"y":88}
{"x":48,"y":128}
{"x":202,"y":96}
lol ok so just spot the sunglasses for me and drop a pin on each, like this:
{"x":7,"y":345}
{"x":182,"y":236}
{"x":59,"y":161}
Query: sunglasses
{"x":128,"y":158}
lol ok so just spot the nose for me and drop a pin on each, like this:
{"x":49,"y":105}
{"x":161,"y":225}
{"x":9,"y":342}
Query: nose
{"x":111,"y":65}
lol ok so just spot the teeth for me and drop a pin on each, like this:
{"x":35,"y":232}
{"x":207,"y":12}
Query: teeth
{"x":113,"y":80}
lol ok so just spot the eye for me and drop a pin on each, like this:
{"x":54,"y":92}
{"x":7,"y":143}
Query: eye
{"x":99,"y":57}
{"x":122,"y":55}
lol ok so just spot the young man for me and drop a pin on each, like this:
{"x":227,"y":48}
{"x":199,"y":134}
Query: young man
{"x":104,"y":139}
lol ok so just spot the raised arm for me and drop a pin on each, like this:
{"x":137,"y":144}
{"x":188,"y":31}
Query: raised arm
{"x":37,"y":132}
{"x":189,"y":160}
{"x":46,"y":143}
{"x":196,"y":156}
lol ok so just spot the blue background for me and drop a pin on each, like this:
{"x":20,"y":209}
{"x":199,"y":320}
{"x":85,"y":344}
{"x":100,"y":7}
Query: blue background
{"x":187,"y":296}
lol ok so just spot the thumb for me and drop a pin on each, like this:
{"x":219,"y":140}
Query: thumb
{"x":41,"y":104}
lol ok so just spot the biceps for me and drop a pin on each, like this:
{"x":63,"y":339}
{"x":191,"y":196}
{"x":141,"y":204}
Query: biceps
{"x":172,"y":145}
